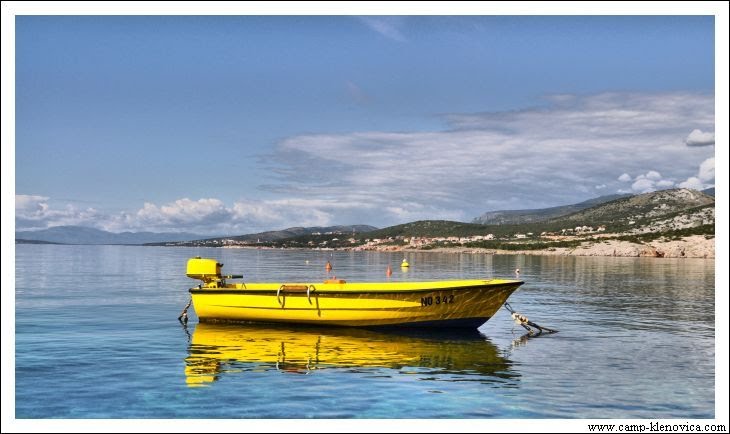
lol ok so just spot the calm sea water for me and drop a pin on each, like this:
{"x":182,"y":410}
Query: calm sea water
{"x":97,"y":337}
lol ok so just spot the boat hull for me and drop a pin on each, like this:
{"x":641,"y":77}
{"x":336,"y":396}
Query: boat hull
{"x":466,"y":303}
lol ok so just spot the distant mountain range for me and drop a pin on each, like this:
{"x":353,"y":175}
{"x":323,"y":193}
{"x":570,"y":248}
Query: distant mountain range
{"x":86,"y":235}
{"x":520,"y":216}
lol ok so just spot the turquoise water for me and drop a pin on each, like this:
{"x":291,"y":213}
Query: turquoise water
{"x":97,"y":337}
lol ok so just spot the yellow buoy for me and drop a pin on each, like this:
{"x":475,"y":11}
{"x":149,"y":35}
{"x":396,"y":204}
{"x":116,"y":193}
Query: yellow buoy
{"x":405,"y":263}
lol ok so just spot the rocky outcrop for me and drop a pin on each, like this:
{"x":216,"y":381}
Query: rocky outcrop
{"x":695,"y":246}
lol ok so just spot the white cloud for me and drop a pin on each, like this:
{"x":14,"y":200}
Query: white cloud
{"x":285,"y":212}
{"x":548,"y":156}
{"x":35,"y":212}
{"x":386,"y":26}
{"x":653,"y":175}
{"x":646,"y":182}
{"x":643,"y":185}
{"x":183,"y":212}
{"x":504,"y":160}
{"x":699,"y":138}
{"x":203,"y":216}
{"x":210,"y":215}
{"x":693,"y":183}
{"x":707,"y":170}
{"x":705,"y":176}
{"x":29,"y":205}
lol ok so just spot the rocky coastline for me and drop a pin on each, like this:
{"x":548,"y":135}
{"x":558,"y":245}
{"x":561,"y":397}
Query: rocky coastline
{"x":695,"y":246}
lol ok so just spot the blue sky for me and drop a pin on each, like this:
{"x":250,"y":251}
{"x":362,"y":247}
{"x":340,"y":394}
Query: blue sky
{"x":239,"y":124}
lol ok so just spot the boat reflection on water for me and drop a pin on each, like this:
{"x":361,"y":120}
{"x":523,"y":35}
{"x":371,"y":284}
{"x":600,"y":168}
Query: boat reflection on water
{"x":216,"y":350}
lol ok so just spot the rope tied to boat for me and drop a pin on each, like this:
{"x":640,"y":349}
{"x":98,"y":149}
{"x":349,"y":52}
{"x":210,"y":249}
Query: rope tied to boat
{"x":183,"y":318}
{"x":523,"y":321}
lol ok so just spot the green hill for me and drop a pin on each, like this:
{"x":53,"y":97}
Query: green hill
{"x":644,"y":210}
{"x":429,"y":228}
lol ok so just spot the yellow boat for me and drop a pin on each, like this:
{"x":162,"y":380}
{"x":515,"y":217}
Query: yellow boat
{"x":451,"y":303}
{"x":217,"y":350}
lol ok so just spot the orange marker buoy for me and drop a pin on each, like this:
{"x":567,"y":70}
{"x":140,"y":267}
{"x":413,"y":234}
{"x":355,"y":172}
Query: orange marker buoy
{"x":388,"y":271}
{"x":328,"y":266}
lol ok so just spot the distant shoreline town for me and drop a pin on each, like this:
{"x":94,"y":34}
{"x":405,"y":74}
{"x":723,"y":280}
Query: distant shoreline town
{"x":695,"y":246}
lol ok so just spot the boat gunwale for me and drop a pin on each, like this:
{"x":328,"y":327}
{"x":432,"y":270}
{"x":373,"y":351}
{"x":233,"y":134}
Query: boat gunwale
{"x":340,"y":291}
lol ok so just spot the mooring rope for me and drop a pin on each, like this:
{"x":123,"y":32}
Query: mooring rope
{"x":522,"y":320}
{"x":183,"y":318}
